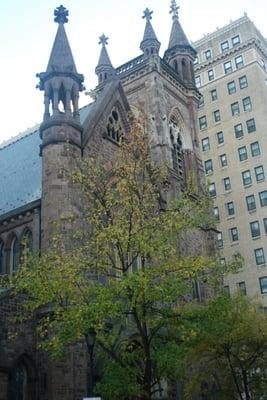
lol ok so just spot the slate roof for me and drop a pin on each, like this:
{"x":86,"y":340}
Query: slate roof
{"x":21,"y":168}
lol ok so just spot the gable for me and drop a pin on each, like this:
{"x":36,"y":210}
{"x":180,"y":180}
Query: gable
{"x":112,"y":96}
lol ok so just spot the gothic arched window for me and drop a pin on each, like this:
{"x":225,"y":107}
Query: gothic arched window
{"x":114,"y":127}
{"x":14,"y":255}
{"x":177,"y":148}
{"x":19,"y":383}
{"x":26,"y":244}
{"x":1,"y":257}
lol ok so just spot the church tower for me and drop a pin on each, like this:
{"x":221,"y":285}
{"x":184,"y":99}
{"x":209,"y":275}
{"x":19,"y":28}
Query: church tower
{"x":180,"y":55}
{"x":104,"y":69}
{"x":165,"y":92}
{"x":60,"y":131}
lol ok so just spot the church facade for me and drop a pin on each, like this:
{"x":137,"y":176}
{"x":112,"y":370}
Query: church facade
{"x":34,"y":192}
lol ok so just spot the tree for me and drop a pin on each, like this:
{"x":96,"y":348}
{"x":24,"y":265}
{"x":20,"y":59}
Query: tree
{"x":228,"y":349}
{"x":127,"y":275}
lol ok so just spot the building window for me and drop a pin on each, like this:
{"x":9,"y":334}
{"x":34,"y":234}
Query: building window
{"x":228,"y":67}
{"x":263,"y":284}
{"x":231,"y":87}
{"x":255,"y":229}
{"x":247,"y":104}
{"x":239,"y":63}
{"x":235,"y":40}
{"x":243,"y":83}
{"x":201,"y":102}
{"x":198,"y":81}
{"x":203,"y":122}
{"x":230,"y":208}
{"x":208,"y":167}
{"x":259,"y":172}
{"x":114,"y":127}
{"x":223,"y":261}
{"x":216,"y":213}
{"x":238,"y":131}
{"x":223,"y":160}
{"x":217,"y":115}
{"x":220,"y":138}
{"x":227,"y":183}
{"x":196,"y":60}
{"x":1,"y":258}
{"x":263,"y":198}
{"x":251,"y":203}
{"x":210,"y":74}
{"x":259,"y":256}
{"x":205,"y":144}
{"x":235,"y":108}
{"x":246,"y":176}
{"x":243,"y":155}
{"x":214,"y":95}
{"x":14,"y":255}
{"x":251,"y":126}
{"x":265,"y":225}
{"x":225,"y":46}
{"x":212,"y":190}
{"x":234,"y":234}
{"x":220,"y":239}
{"x":255,"y":149}
{"x":177,"y":147}
{"x":207,"y":54}
{"x":242,"y":288}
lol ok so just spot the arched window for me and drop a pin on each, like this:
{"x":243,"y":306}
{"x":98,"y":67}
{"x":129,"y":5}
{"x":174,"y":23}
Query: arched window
{"x":14,"y":255}
{"x":26,"y":244}
{"x":19,"y":383}
{"x":184,"y":69}
{"x":177,"y":148}
{"x":1,"y":258}
{"x":114,"y":127}
{"x":175,"y":65}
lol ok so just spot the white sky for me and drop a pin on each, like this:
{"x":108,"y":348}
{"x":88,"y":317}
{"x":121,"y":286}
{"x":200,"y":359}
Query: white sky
{"x":28,"y":31}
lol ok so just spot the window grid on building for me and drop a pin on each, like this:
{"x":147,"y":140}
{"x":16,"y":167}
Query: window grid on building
{"x":243,"y":154}
{"x":259,"y":256}
{"x":246,"y":176}
{"x":230,"y":208}
{"x":251,"y":202}
{"x":255,"y":149}
{"x":255,"y":229}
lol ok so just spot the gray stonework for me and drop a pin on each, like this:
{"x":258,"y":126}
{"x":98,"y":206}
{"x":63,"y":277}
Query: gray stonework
{"x":163,"y":89}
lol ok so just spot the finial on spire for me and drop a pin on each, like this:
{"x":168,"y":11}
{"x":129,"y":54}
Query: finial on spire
{"x":147,"y":14}
{"x":61,"y":15}
{"x":174,"y":9}
{"x":103,"y":39}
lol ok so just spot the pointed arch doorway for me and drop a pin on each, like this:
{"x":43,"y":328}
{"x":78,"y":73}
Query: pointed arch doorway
{"x":21,"y":380}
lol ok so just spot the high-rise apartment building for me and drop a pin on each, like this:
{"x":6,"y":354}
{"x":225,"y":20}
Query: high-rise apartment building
{"x":231,"y":74}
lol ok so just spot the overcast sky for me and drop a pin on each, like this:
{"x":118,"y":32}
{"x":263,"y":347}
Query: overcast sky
{"x":27,"y":33}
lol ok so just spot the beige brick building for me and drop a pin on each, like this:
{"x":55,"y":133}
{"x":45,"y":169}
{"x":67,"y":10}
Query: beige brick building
{"x":231,"y":74}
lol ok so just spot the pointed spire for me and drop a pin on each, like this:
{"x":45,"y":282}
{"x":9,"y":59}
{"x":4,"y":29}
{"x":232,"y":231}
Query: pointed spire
{"x":61,"y":58}
{"x":104,"y":68}
{"x":61,"y":82}
{"x":104,"y":57}
{"x":150,"y":40}
{"x":177,"y":37}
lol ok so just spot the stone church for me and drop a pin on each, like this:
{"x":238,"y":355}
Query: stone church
{"x":34,"y":192}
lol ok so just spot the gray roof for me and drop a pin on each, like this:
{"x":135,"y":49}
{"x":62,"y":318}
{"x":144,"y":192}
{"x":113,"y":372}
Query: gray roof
{"x":21,"y":169}
{"x":61,"y":58}
{"x":177,"y":37}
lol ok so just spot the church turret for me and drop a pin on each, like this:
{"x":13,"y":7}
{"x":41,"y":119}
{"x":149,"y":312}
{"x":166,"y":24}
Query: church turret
{"x":61,"y":82}
{"x":61,"y":132}
{"x":150,"y":45}
{"x":104,"y":69}
{"x":180,"y":54}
